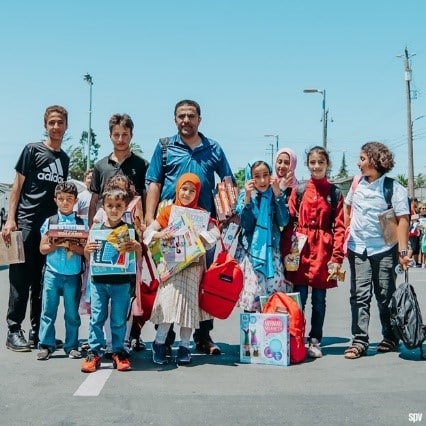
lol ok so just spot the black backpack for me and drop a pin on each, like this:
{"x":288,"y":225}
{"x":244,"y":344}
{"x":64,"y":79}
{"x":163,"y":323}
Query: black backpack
{"x":406,"y":318}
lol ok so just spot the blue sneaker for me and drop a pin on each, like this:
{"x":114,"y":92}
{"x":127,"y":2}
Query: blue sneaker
{"x":159,"y":353}
{"x":183,"y":356}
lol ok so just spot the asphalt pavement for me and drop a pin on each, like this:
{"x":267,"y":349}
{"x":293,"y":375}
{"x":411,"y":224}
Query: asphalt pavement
{"x":379,"y":389}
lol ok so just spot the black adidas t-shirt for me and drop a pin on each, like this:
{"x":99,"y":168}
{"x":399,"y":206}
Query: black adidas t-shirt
{"x":43,"y":170}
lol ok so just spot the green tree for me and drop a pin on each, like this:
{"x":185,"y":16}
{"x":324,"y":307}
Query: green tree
{"x":419,"y":181}
{"x":402,"y":180}
{"x":136,"y":148}
{"x":78,"y":155}
{"x":240,"y":178}
{"x":343,"y":172}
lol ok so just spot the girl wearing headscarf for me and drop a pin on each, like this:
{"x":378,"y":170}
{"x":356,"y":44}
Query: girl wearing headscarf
{"x":262,"y":207}
{"x":285,"y":166}
{"x":177,"y":298}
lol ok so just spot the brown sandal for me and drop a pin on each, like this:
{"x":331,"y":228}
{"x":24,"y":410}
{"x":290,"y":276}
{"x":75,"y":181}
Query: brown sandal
{"x":387,"y":345}
{"x":355,"y":351}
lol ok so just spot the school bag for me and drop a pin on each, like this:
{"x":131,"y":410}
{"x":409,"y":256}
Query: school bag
{"x":221,"y":285}
{"x":146,"y":291}
{"x":281,"y":303}
{"x":406,"y":318}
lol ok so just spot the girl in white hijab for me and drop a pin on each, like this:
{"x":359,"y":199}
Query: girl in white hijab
{"x":285,"y":165}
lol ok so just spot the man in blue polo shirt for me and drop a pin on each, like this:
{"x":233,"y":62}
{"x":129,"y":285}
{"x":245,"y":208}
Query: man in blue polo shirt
{"x":187,"y":151}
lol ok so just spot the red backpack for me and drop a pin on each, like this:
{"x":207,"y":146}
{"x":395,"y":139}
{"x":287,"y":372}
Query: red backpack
{"x":281,"y":303}
{"x":221,"y":286}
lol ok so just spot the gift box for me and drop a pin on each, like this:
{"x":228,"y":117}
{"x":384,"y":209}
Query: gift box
{"x":264,"y":339}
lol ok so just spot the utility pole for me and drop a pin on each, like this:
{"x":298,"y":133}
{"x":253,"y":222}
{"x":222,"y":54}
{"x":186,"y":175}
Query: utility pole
{"x":324,"y":114}
{"x":407,"y":76}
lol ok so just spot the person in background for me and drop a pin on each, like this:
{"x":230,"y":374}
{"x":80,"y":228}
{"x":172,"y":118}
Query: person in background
{"x":83,"y":199}
{"x":187,"y":151}
{"x":422,"y":222}
{"x":61,"y":277}
{"x":414,"y":233}
{"x":40,"y":167}
{"x":322,"y":255}
{"x":372,"y":261}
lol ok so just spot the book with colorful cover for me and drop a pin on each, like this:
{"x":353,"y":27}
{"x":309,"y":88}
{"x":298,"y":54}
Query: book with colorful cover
{"x":108,"y":260}
{"x":13,"y":252}
{"x":199,"y":218}
{"x":172,"y":256}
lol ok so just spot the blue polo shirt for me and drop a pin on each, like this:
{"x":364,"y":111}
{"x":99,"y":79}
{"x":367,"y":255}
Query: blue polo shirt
{"x":367,"y":201}
{"x":205,"y":160}
{"x":57,"y":261}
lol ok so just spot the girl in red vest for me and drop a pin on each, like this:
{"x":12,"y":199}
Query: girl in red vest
{"x":322,"y":254}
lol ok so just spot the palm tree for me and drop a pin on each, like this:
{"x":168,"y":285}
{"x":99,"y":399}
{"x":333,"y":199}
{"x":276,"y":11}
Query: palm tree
{"x":420,"y":181}
{"x":402,"y":180}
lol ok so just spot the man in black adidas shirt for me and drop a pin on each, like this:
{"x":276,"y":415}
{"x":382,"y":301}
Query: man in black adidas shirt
{"x":40,"y":167}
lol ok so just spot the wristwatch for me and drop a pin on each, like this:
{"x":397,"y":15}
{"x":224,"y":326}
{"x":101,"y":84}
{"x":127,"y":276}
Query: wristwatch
{"x":403,"y":253}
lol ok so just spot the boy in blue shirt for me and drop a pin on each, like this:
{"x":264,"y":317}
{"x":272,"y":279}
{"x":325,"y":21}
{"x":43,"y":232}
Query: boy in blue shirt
{"x":61,"y":276}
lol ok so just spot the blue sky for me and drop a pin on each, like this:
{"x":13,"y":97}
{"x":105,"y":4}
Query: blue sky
{"x":246,"y":62}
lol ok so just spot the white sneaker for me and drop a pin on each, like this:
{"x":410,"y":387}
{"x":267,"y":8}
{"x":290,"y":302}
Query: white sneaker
{"x":314,"y":350}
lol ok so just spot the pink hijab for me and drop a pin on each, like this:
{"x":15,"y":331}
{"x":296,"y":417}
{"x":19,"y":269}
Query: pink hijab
{"x":293,"y":163}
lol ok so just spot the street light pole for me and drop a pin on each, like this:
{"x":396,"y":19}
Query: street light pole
{"x":87,"y":77}
{"x":324,"y":114}
{"x":277,"y":138}
{"x":272,"y":154}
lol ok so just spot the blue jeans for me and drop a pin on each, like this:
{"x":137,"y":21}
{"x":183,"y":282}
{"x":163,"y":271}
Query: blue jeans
{"x":318,"y":308}
{"x":371,"y":273}
{"x":100,"y":295}
{"x":54,"y":286}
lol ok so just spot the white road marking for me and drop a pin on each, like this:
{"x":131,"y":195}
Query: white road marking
{"x":94,"y":382}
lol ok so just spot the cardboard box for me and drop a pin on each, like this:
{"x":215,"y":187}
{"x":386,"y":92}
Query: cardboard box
{"x":264,"y":339}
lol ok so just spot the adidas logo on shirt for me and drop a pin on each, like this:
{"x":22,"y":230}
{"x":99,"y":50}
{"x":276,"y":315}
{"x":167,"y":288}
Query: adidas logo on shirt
{"x":53,"y":172}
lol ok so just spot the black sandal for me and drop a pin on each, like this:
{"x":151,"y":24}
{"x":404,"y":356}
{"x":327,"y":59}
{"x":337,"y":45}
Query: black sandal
{"x":387,"y":345}
{"x":355,"y":351}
